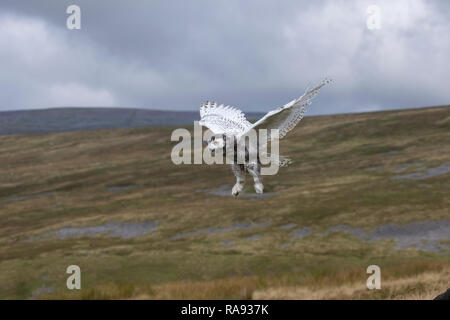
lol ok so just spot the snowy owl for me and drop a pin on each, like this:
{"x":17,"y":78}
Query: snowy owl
{"x":229,"y":126}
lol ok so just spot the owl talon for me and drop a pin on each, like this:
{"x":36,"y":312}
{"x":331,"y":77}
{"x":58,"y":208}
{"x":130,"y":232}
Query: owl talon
{"x":236,"y":189}
{"x":259,"y":188}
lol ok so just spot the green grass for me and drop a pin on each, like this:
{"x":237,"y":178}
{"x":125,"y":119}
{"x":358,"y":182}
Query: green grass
{"x":328,"y":184}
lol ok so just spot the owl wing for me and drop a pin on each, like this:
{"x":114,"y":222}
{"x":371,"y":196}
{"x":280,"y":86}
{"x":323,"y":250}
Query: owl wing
{"x":222,"y":119}
{"x":285,"y":118}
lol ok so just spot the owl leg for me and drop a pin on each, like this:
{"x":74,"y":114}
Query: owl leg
{"x":239,"y":172}
{"x":255,"y":172}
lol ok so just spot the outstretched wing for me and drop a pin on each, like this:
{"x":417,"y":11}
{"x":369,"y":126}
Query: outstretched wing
{"x":222,"y":119}
{"x":285,"y":118}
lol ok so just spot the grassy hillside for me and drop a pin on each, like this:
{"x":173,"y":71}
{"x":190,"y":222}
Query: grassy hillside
{"x":363,"y":189}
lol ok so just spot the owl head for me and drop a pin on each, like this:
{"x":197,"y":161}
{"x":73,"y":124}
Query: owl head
{"x":216,"y":142}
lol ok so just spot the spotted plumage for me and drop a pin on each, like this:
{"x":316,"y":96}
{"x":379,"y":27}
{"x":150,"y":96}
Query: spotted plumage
{"x":229,"y":126}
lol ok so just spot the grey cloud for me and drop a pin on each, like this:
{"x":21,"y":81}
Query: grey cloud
{"x":252,"y":54}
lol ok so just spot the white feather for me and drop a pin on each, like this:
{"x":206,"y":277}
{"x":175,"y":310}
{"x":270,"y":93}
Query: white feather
{"x":232,"y":122}
{"x":285,"y":118}
{"x":228,"y":120}
{"x":223,"y":119}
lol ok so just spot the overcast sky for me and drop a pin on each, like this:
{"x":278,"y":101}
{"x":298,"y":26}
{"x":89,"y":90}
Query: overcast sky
{"x":254,"y":54}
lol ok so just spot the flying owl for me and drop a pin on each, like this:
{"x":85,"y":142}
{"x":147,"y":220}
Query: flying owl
{"x":229,"y":127}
